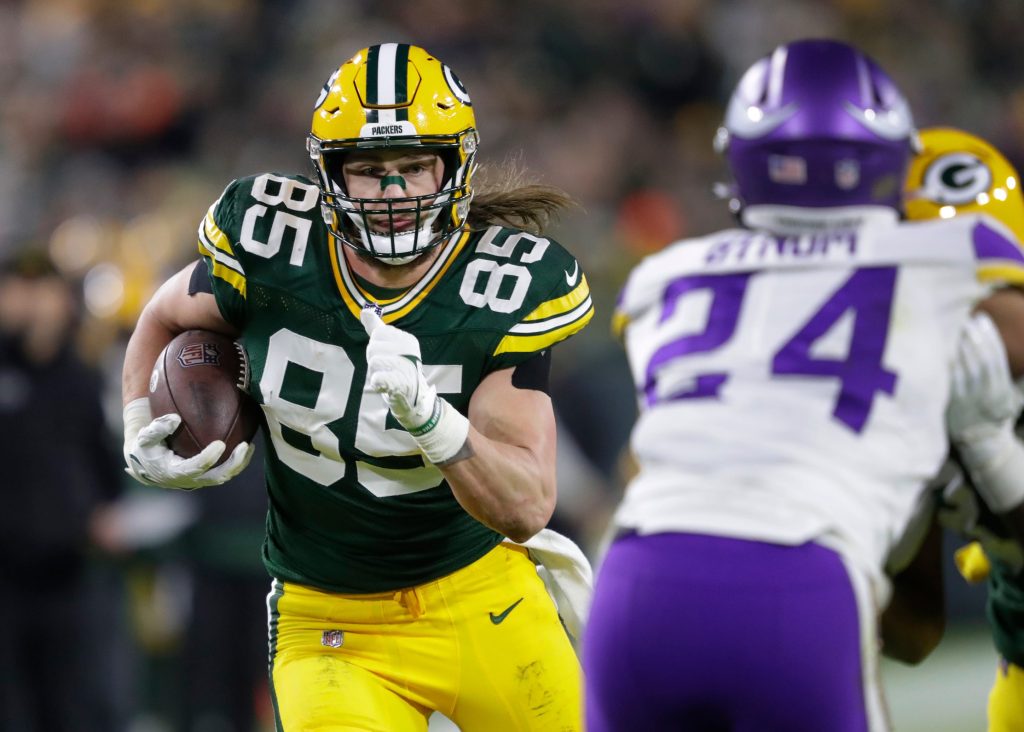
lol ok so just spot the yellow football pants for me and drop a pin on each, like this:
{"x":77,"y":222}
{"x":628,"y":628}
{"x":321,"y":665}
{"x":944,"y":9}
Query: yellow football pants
{"x":484,"y":646}
{"x":1006,"y":700}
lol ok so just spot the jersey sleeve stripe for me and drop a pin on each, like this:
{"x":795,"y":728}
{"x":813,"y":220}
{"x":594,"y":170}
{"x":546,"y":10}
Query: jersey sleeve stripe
{"x":542,"y":326}
{"x":562,"y":304}
{"x":224,"y":267}
{"x":215,"y":236}
{"x":221,"y":272}
{"x":991,"y":243}
{"x":207,"y":247}
{"x":1000,"y":258}
{"x":1005,"y":273}
{"x":619,"y":322}
{"x":533,"y":343}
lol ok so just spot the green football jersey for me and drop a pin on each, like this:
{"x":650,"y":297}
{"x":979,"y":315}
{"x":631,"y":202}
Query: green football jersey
{"x":354,"y":507}
{"x":1005,"y":611}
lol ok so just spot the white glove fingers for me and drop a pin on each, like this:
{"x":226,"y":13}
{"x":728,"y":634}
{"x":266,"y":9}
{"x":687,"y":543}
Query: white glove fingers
{"x":388,"y":380}
{"x":987,"y":351}
{"x":239,"y":457}
{"x":231,"y":467}
{"x":988,"y":341}
{"x":958,"y":384}
{"x":198,"y":464}
{"x":982,"y":390}
{"x":371,"y":320}
{"x":159,"y":429}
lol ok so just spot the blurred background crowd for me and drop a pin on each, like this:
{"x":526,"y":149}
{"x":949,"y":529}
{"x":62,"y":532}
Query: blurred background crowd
{"x":122,"y":120}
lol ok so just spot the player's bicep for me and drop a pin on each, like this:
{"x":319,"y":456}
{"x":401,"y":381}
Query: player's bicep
{"x":177,"y":308}
{"x":521,"y":417}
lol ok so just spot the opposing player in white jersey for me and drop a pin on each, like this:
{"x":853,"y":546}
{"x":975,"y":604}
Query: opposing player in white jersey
{"x":792,"y":377}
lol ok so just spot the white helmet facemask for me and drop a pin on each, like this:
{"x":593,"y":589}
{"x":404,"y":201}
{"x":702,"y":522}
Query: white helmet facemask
{"x":385,"y":242}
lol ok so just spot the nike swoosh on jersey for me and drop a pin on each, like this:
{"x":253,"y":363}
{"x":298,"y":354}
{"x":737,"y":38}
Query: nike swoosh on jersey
{"x":500,"y":617}
{"x":570,"y":279}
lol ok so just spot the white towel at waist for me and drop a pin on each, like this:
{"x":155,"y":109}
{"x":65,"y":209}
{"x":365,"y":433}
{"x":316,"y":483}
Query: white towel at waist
{"x":566,"y":573}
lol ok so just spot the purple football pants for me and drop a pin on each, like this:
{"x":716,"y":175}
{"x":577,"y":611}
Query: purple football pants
{"x":693,"y":632}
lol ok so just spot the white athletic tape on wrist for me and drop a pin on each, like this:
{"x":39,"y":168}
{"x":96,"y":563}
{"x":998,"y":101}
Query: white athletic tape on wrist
{"x":996,"y":463}
{"x":136,"y":415}
{"x":447,"y":435}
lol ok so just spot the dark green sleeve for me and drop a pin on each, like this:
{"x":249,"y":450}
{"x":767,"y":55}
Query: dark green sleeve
{"x":562,"y":308}
{"x":218,"y":237}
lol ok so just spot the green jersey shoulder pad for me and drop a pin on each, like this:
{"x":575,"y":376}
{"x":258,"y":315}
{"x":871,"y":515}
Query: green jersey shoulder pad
{"x":530,"y":287}
{"x":246,"y":230}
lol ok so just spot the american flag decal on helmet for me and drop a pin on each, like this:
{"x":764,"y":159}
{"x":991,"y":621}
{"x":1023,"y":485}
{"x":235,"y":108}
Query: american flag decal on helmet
{"x":789,"y":169}
{"x":199,"y":354}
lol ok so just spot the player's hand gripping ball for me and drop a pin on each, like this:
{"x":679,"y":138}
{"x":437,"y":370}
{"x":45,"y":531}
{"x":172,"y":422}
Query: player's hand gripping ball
{"x":203,"y":377}
{"x":195,"y":427}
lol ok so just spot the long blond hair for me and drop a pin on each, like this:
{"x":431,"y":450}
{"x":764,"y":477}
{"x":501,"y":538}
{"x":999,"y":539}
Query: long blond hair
{"x":504,"y":197}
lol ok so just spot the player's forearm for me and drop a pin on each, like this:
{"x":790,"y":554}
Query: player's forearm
{"x":915,"y":620}
{"x":503,"y":486}
{"x":148,"y":339}
{"x":171,"y":311}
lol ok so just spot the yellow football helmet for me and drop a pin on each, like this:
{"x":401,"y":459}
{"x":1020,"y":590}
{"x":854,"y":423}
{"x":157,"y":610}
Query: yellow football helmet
{"x":387,"y":96}
{"x":958,"y":173}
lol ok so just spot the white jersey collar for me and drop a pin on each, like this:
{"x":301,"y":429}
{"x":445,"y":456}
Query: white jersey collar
{"x":797,"y":220}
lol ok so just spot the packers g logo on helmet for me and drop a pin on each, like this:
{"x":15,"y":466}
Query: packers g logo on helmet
{"x":957,"y":173}
{"x":394,"y":95}
{"x":956,"y":179}
{"x":456,"y":85}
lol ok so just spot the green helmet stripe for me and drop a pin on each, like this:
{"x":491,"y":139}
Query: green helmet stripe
{"x":401,"y":80}
{"x":372,"y":55}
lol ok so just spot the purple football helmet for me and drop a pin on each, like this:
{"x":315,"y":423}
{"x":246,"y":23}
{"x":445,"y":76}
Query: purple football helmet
{"x":817,"y":124}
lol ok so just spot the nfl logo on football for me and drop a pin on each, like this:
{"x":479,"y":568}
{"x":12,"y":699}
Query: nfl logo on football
{"x":332,"y":638}
{"x":199,"y":354}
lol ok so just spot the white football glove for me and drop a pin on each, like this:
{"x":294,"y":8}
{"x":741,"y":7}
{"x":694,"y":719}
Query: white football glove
{"x":394,"y":370}
{"x":150,"y":461}
{"x":960,"y":512}
{"x":984,"y":404}
{"x":983,"y":393}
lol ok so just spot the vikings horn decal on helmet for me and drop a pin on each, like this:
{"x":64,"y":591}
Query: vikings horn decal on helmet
{"x":394,"y":95}
{"x":957,"y":173}
{"x":816,"y":125}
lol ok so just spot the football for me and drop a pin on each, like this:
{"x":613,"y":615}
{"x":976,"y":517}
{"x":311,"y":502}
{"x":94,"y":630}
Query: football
{"x":204,"y":377}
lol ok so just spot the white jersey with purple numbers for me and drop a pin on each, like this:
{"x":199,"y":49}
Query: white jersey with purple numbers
{"x":794,"y":388}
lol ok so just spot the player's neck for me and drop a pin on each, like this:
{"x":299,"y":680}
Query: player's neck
{"x":393,"y":276}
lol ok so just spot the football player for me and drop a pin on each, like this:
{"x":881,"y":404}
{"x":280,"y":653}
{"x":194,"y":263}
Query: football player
{"x":982,"y":492}
{"x":792,"y":376}
{"x":399,"y":325}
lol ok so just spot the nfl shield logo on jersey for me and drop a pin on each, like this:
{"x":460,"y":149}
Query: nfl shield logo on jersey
{"x":332,"y":638}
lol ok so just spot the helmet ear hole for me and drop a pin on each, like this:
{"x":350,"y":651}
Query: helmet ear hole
{"x":450,"y":163}
{"x":334,"y":162}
